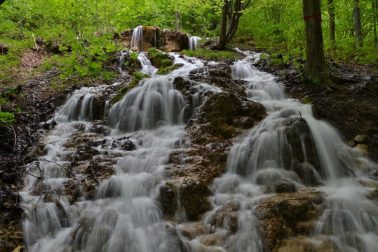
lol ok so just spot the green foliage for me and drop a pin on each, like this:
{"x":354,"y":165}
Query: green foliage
{"x":211,"y":55}
{"x":278,"y":27}
{"x":6,"y":118}
{"x":84,"y":31}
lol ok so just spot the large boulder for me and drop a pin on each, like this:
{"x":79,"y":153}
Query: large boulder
{"x":175,"y":41}
{"x":189,"y":194}
{"x":287,"y":215}
{"x":226,"y":111}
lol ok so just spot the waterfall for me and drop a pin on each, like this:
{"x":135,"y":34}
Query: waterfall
{"x":137,"y":39}
{"x":147,"y":67}
{"x":153,"y":104}
{"x":80,"y":105}
{"x":114,"y":170}
{"x":288,"y":138}
{"x":193,"y":42}
{"x":122,"y":213}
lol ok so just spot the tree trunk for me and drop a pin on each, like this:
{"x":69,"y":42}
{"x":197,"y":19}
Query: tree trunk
{"x":375,"y":14}
{"x":177,"y":17}
{"x":332,"y":26}
{"x":231,"y":13}
{"x":316,"y":69}
{"x":357,"y":22}
{"x":223,"y":34}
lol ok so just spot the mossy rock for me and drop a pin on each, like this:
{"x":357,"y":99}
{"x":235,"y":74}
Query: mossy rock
{"x":225,"y":111}
{"x":168,"y":69}
{"x":159,"y":59}
{"x":207,"y":54}
{"x":131,"y":63}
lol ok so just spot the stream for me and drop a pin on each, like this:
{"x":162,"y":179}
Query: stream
{"x":135,"y":143}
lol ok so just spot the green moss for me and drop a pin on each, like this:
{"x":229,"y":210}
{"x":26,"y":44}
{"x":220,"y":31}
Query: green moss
{"x":211,"y":55}
{"x":6,"y":118}
{"x":159,"y":59}
{"x":168,"y":69}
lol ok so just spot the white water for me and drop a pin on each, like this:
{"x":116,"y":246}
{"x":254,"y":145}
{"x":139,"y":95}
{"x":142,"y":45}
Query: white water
{"x":137,"y":39}
{"x":80,"y":105}
{"x":147,"y":67}
{"x":124,"y":215}
{"x":259,"y":160}
{"x":193,"y":42}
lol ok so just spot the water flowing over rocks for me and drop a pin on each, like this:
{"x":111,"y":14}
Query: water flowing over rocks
{"x":212,"y":156}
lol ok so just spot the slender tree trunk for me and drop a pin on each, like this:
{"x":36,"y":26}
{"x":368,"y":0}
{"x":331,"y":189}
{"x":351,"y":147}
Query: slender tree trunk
{"x":375,"y":14}
{"x":231,"y":12}
{"x":357,"y":22}
{"x":332,"y":26}
{"x":223,"y":34}
{"x":177,"y":17}
{"x":316,"y":69}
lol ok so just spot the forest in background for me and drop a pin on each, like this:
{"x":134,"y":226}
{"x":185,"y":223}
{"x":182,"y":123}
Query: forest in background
{"x":82,"y":32}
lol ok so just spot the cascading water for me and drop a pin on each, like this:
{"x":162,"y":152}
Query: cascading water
{"x":193,"y":42}
{"x":123,"y":214}
{"x":147,"y":67}
{"x":154,"y":103}
{"x":137,"y":39}
{"x":80,"y":105}
{"x":287,"y":140}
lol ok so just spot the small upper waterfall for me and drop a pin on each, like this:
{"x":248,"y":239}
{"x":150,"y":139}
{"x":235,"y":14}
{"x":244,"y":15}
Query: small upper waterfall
{"x":137,"y":39}
{"x":193,"y":42}
{"x":147,"y":67}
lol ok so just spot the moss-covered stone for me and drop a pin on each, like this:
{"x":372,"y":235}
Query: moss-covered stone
{"x":131,"y":63}
{"x":207,"y":54}
{"x":159,"y":59}
{"x":225,"y":112}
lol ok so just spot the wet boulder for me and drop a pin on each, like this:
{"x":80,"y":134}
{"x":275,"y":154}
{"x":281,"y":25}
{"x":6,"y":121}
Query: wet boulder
{"x":219,"y":75}
{"x":168,"y":199}
{"x":187,"y":193}
{"x":287,"y":215}
{"x":226,"y":217}
{"x":284,"y":186}
{"x":98,"y":108}
{"x":174,"y":41}
{"x":226,"y":111}
{"x":308,"y":174}
{"x":300,"y":148}
{"x":124,"y":143}
{"x":304,"y":244}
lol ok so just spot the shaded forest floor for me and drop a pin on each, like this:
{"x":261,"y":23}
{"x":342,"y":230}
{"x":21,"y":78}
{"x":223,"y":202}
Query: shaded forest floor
{"x":350,"y":104}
